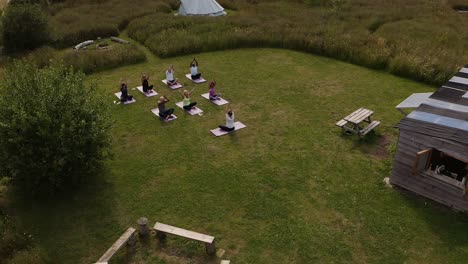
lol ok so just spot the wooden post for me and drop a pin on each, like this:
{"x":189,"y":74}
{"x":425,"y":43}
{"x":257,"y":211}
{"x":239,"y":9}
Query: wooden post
{"x":143,"y":229}
{"x":210,"y":248}
{"x":131,"y":241}
{"x":161,"y":235}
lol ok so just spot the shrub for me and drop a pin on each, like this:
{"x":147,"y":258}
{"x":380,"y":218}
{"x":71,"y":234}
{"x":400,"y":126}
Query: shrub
{"x":24,"y":27}
{"x":56,"y":135}
{"x":88,"y":60}
{"x":43,"y":56}
{"x":73,"y":36}
{"x":96,"y":60}
{"x":77,"y":21}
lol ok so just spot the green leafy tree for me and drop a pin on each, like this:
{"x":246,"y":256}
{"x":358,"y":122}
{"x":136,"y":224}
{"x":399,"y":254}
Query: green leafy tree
{"x":25,"y":27}
{"x":54,"y":128}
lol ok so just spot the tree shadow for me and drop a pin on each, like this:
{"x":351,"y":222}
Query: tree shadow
{"x":73,"y":218}
{"x":373,"y":143}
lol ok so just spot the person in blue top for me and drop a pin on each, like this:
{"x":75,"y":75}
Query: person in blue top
{"x":194,"y":70}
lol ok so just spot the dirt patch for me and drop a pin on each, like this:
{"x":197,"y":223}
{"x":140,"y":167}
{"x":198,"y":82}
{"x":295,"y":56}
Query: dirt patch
{"x":327,"y":88}
{"x":381,"y":150}
{"x":379,"y":147}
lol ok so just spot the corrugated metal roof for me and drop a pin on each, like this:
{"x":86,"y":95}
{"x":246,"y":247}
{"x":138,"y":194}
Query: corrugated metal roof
{"x":446,"y":105}
{"x":446,"y":109}
{"x":414,"y":100}
{"x":439,"y":120}
{"x":457,"y":79}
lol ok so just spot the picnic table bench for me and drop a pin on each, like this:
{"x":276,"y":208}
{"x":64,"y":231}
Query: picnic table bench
{"x":124,"y":239}
{"x":351,"y":123}
{"x":163,"y":229}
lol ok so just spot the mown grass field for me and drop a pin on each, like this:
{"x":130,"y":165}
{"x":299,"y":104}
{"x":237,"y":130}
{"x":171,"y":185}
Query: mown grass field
{"x":289,"y":188}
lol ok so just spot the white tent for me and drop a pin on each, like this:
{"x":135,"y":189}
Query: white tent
{"x":201,"y":8}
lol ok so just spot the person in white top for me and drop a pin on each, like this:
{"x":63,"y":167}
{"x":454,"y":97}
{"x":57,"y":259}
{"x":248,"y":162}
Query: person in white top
{"x":170,"y":76}
{"x":194,"y":70}
{"x":229,"y":121}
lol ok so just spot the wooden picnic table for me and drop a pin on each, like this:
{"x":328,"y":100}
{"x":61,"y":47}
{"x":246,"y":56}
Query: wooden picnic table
{"x":355,"y":119}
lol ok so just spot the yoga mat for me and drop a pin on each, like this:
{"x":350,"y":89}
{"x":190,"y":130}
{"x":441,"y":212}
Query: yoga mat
{"x":199,"y":80}
{"x":127,"y":102}
{"x":173,"y":87}
{"x":154,"y":93}
{"x":194,"y":111}
{"x":156,"y":112}
{"x":218,"y":132}
{"x":220,"y":101}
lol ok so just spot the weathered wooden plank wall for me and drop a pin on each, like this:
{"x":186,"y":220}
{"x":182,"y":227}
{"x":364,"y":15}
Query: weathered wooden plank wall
{"x":409,"y":144}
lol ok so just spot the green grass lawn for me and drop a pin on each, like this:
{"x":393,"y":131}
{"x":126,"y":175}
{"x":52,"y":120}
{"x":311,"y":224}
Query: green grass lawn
{"x":289,"y":188}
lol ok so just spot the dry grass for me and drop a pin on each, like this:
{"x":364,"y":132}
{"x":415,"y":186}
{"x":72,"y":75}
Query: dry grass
{"x":425,"y":41}
{"x":3,"y":4}
{"x":76,"y":21}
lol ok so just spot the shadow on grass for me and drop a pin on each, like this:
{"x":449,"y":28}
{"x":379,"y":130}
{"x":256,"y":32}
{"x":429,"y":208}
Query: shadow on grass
{"x":444,"y":221}
{"x":73,"y":219}
{"x":373,"y":143}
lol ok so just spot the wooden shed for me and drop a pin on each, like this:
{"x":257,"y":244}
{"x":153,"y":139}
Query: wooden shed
{"x":432,"y":151}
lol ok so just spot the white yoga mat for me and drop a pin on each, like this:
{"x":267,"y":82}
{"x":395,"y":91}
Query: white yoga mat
{"x":218,"y":132}
{"x":127,"y":102}
{"x":156,"y":112}
{"x":220,"y":101}
{"x":199,"y":80}
{"x":173,"y":87}
{"x":194,"y":111}
{"x":153,"y":93}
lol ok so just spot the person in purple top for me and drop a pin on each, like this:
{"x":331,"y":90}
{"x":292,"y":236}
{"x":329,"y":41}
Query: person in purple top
{"x":212,"y":91}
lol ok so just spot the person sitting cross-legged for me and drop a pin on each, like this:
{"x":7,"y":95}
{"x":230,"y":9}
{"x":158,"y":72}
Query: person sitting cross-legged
{"x":124,"y":97}
{"x":163,"y":113}
{"x":194,"y":74}
{"x":170,"y":76}
{"x":145,"y":84}
{"x":187,"y":105}
{"x":229,"y":121}
{"x":212,"y":91}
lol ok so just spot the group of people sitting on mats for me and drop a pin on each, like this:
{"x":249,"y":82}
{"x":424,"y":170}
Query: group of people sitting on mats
{"x":166,"y":114}
{"x":194,"y":74}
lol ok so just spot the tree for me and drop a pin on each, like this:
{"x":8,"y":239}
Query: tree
{"x":25,"y":27}
{"x":54,"y":128}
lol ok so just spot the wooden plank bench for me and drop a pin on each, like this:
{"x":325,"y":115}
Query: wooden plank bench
{"x":341,"y":123}
{"x":163,"y":229}
{"x":123,"y":239}
{"x":369,"y":128}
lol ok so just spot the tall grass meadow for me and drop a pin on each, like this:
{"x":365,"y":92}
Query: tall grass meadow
{"x":422,"y":40}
